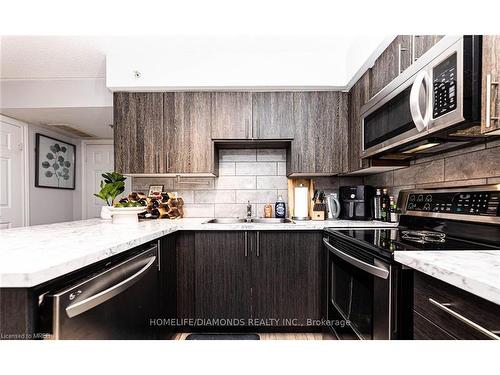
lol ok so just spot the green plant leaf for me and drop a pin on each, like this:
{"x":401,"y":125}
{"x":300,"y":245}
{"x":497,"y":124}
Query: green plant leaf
{"x":50,"y":156}
{"x":63,"y":149}
{"x":45,"y":164}
{"x":55,"y":166}
{"x":67,"y":164}
{"x":49,"y":174}
{"x":53,"y":149}
{"x":60,"y":159}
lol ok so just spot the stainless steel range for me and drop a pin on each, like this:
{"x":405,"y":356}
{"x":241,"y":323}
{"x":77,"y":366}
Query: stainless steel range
{"x":369,"y":290}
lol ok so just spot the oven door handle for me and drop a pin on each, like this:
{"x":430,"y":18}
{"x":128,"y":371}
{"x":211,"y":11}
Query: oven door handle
{"x":101,"y":297}
{"x":371,"y":269}
{"x":421,"y":121}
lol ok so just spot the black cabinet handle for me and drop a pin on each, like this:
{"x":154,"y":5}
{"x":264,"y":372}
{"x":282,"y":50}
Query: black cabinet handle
{"x":258,"y":244}
{"x":246,"y":244}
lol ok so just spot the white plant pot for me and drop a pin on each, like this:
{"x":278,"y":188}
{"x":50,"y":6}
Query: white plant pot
{"x":105,"y":213}
{"x":126,"y":215}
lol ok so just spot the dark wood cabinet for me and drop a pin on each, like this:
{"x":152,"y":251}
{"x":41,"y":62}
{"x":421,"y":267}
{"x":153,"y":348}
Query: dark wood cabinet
{"x":394,"y":60}
{"x":272,"y":115}
{"x":358,"y":96}
{"x":232,"y":115}
{"x":286,"y":269}
{"x":222,"y":276}
{"x":320,"y":133}
{"x":457,"y":313}
{"x":138,"y":132}
{"x":250,"y":275}
{"x":422,"y":43}
{"x":490,"y":116}
{"x":187,"y":130}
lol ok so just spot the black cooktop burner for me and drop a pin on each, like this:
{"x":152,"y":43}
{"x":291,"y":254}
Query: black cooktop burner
{"x":386,"y":241}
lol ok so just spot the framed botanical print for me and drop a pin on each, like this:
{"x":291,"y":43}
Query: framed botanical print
{"x":55,"y":163}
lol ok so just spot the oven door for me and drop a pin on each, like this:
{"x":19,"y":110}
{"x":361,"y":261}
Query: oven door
{"x":359,"y":292}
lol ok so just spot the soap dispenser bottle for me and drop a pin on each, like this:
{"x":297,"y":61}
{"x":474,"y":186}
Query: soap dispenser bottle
{"x":280,"y":208}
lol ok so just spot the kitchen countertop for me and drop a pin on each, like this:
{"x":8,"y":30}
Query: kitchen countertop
{"x":477,"y":272}
{"x":33,"y":255}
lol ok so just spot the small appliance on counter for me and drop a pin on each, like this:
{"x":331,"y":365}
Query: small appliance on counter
{"x":356,"y":202}
{"x":319,"y":206}
{"x":333,"y":206}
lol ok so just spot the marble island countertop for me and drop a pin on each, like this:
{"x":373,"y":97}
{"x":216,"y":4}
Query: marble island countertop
{"x":33,"y":255}
{"x":477,"y":272}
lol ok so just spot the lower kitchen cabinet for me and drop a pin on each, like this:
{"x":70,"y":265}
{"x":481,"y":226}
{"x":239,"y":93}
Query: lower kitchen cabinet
{"x":442,"y":311}
{"x":250,"y":275}
{"x":222,"y":276}
{"x":286,"y":277}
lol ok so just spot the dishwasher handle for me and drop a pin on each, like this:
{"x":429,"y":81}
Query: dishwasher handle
{"x":80,"y":307}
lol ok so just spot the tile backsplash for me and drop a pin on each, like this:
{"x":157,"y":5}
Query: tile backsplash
{"x":255,"y":175}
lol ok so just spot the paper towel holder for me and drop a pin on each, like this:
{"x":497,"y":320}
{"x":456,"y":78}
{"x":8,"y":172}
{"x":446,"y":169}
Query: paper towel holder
{"x":301,"y":218}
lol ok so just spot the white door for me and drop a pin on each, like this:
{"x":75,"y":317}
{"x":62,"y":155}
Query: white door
{"x":98,"y":160}
{"x":11,"y":176}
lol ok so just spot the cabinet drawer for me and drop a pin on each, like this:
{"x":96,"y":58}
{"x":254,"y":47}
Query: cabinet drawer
{"x":455,"y":311}
{"x":424,"y":329}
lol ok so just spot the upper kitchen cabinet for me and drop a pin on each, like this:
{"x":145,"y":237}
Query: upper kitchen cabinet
{"x":358,"y":96}
{"x":320,"y":133}
{"x":272,"y":115}
{"x":490,"y":121}
{"x":403,"y":51}
{"x":231,"y":115}
{"x":422,"y":43}
{"x":395,"y":58}
{"x":138,"y":132}
{"x":187,"y":133}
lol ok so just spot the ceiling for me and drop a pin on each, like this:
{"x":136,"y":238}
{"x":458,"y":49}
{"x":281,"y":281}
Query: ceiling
{"x":34,"y":58}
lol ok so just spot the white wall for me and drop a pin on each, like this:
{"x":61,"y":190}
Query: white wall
{"x":51,"y":205}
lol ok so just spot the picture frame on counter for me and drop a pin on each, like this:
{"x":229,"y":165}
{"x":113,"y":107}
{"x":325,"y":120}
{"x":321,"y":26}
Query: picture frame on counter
{"x":154,"y":189}
{"x":55,"y":163}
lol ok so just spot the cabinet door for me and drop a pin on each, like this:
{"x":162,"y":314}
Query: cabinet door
{"x":320,"y":133}
{"x":358,"y":96}
{"x":138,"y":132}
{"x":491,"y":75}
{"x":286,"y":277}
{"x":423,"y":43}
{"x":272,"y":115}
{"x":231,"y":115}
{"x":187,"y":129}
{"x":222,"y":276}
{"x":394,"y":60}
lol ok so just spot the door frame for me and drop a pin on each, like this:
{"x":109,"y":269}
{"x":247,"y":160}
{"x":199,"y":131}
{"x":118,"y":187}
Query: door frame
{"x":25,"y":175}
{"x":83,"y":158}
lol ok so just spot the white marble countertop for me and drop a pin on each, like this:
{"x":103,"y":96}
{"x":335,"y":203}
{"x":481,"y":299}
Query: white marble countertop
{"x":33,"y":255}
{"x":477,"y":272}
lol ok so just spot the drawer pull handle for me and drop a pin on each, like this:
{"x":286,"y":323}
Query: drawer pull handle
{"x":470,"y":323}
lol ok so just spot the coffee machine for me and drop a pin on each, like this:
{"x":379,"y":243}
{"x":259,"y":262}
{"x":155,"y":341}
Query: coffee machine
{"x":356,"y":202}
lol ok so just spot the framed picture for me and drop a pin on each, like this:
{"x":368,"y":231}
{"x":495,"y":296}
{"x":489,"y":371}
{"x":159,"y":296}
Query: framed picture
{"x":154,"y":189}
{"x":55,"y":163}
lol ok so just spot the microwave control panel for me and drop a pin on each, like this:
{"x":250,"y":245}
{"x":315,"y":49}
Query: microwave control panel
{"x":483,"y":203}
{"x":445,"y":86}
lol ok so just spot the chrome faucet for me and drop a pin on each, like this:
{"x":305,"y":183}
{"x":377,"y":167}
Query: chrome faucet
{"x":249,"y":212}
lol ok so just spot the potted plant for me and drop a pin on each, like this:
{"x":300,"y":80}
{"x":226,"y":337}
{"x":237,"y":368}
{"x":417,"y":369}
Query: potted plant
{"x":111,"y":187}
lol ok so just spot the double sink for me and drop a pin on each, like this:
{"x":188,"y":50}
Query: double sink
{"x":259,"y":220}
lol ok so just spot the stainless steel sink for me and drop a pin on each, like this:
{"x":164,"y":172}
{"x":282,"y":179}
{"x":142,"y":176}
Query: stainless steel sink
{"x":263,"y":220}
{"x":260,"y":220}
{"x":228,"y":220}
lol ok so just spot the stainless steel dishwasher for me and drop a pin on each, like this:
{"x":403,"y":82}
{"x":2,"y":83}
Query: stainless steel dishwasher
{"x":115,"y":302}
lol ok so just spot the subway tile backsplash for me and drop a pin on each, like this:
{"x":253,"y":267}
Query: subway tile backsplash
{"x":255,"y":175}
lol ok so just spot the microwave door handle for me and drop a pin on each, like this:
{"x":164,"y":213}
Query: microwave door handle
{"x":421,"y":121}
{"x":371,"y":269}
{"x":101,"y":297}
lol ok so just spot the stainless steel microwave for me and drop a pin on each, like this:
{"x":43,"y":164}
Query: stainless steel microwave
{"x":433,"y":106}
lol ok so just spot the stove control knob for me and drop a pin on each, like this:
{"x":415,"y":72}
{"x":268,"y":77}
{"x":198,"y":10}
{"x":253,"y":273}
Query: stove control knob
{"x":412,"y":198}
{"x":420,"y":198}
{"x":428,"y":198}
{"x":427,"y":207}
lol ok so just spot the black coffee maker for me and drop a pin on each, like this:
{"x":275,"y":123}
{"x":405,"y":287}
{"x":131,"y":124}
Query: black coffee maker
{"x":356,"y":202}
